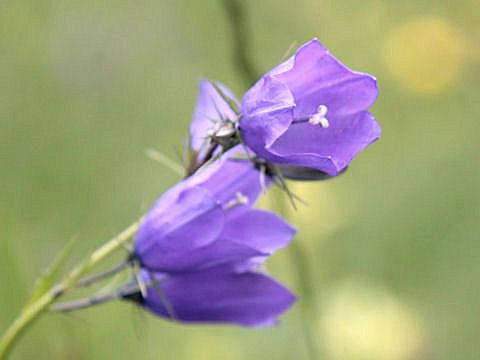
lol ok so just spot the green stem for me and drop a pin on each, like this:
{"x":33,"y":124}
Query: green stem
{"x":304,"y":279}
{"x":307,"y":301}
{"x":30,"y":313}
{"x":237,"y":15}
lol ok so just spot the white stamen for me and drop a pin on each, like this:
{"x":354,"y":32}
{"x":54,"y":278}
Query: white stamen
{"x":239,"y":199}
{"x":319,"y":118}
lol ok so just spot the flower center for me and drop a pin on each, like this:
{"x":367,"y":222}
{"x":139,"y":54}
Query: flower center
{"x":239,"y":199}
{"x":319,"y":118}
{"x":316,"y":119}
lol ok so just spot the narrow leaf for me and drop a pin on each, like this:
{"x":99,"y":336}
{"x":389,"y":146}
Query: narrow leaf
{"x":233,"y":105}
{"x":290,"y":51}
{"x":47,"y":279}
{"x":165,"y":161}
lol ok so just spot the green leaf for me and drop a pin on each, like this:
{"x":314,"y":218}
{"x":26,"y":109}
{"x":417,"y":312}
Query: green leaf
{"x":233,"y":105}
{"x":165,"y":161}
{"x":47,"y":279}
{"x":290,"y":51}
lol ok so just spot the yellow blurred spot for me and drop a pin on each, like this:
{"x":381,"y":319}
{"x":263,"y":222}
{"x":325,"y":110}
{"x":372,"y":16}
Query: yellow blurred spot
{"x":322,"y":208}
{"x":216,"y":347}
{"x":365,"y":322}
{"x":426,"y":54}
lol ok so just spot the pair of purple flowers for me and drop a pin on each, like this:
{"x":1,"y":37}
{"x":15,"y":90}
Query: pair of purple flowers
{"x":201,"y":244}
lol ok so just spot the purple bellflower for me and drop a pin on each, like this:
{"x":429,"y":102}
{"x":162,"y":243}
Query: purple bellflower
{"x":212,"y":114}
{"x":207,"y":220}
{"x":217,"y":296}
{"x":310,"y":111}
{"x":202,"y":238}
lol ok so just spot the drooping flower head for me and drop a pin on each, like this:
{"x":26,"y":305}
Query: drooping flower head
{"x":245,"y":298}
{"x":202,"y":235}
{"x":214,"y":124}
{"x":207,"y":220}
{"x":310,"y":111}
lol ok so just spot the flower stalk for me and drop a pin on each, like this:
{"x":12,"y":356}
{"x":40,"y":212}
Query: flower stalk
{"x":237,"y":16}
{"x":32,"y":312}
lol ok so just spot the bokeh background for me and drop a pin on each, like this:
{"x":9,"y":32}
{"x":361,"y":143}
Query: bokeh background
{"x":387,"y":259}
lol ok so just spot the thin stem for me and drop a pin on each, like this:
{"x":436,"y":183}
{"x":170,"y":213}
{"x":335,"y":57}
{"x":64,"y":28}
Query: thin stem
{"x":83,"y":303}
{"x":30,"y":313}
{"x":104,"y":275}
{"x":162,"y":296}
{"x":194,"y":167}
{"x":237,"y":15}
{"x":304,"y":279}
{"x":67,"y":306}
{"x":307,"y":303}
{"x":166,"y":161}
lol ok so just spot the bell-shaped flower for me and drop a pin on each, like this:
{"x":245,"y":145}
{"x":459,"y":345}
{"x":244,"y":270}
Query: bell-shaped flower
{"x":310,"y":111}
{"x":216,"y":296}
{"x":207,"y":220}
{"x":198,"y":244}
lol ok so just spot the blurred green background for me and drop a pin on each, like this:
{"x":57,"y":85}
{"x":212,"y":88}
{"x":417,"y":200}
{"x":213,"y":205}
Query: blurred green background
{"x":391,"y":249}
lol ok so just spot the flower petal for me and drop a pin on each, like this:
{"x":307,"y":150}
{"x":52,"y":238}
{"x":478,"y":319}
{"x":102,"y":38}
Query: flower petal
{"x":227,"y":177}
{"x":305,"y":112}
{"x":185,"y":222}
{"x":267,"y":112}
{"x":259,"y":229}
{"x":210,"y":107}
{"x":220,"y":253}
{"x":247,"y":240}
{"x":247,"y":299}
{"x":329,"y":150}
{"x":318,"y":78}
